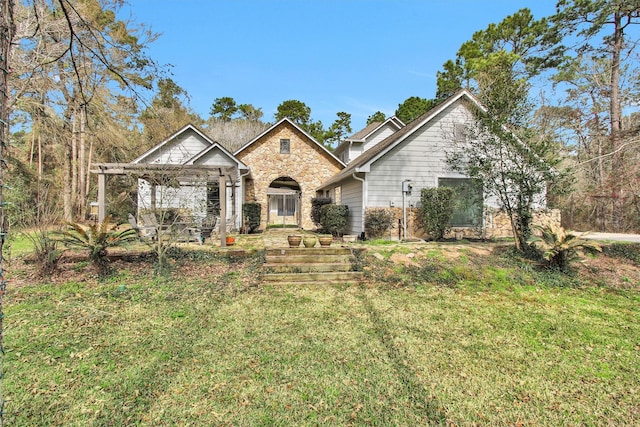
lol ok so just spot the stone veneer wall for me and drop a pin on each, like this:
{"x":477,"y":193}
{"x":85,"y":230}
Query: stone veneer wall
{"x":497,"y":224}
{"x":307,"y":164}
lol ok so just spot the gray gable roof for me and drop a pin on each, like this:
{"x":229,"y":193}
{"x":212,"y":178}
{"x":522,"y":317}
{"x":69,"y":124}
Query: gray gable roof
{"x":362,"y":134}
{"x":363,"y":161}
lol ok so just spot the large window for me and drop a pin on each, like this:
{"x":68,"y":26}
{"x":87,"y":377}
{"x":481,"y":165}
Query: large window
{"x":468,"y":201}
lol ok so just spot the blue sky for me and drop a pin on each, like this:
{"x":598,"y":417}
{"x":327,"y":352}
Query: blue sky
{"x":356,"y":56}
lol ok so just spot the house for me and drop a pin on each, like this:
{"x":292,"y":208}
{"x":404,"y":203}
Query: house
{"x":197,"y":194}
{"x":391,"y":174}
{"x":384,"y":165}
{"x":281,"y":169}
{"x":286,"y":166}
{"x":367,"y":138}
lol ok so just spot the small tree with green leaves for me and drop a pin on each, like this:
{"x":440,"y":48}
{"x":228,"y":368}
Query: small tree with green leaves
{"x":437,"y":210}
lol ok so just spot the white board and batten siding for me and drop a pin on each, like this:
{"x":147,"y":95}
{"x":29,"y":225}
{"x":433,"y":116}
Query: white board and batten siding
{"x":421,"y":158}
{"x":351,"y":195}
{"x":177,"y":151}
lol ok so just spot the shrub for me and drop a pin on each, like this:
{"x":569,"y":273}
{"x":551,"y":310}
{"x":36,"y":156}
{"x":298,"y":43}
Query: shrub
{"x":46,"y":254}
{"x":316,"y":208}
{"x":559,"y":249}
{"x":96,"y":238}
{"x":252,"y":212}
{"x":334,"y":218}
{"x":377,"y":222}
{"x":437,"y":210}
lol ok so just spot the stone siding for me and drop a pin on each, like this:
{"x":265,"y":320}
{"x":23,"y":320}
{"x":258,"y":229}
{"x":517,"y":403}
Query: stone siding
{"x":497,"y":224}
{"x":308,"y":164}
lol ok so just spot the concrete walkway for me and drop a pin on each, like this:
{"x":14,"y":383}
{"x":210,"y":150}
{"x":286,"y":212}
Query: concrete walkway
{"x":277,"y":237}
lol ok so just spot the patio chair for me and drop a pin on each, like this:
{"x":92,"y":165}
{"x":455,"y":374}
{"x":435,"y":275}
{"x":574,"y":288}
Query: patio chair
{"x":210,"y":225}
{"x":144,"y":232}
{"x":231,"y":223}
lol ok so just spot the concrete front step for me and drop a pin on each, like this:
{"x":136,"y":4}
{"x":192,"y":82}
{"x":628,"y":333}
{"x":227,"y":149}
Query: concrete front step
{"x":308,"y":259}
{"x":314,"y":277}
{"x":305,"y":267}
{"x":335,"y":250}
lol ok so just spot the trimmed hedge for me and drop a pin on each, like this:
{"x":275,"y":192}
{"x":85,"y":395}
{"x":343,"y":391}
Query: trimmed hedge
{"x":253,"y":213}
{"x":378,"y":221}
{"x":316,"y":208}
{"x":437,"y":210}
{"x":334,"y":218}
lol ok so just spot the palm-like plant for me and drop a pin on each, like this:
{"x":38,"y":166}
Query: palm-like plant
{"x":560,"y":248}
{"x":96,"y":238}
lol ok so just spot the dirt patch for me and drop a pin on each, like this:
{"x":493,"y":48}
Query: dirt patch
{"x":613,"y":272}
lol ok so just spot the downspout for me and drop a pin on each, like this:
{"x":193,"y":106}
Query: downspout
{"x":364,"y":199}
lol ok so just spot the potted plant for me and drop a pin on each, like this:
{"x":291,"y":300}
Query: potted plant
{"x":309,"y":241}
{"x":294,"y":240}
{"x":325,"y":240}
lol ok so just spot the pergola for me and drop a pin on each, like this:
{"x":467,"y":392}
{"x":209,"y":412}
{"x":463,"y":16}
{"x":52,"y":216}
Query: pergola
{"x":161,"y":174}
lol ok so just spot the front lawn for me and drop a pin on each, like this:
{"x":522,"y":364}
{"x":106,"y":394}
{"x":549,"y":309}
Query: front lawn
{"x":445,"y":335}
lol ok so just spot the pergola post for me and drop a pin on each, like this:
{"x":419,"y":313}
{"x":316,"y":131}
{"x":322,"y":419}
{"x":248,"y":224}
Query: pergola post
{"x":153,"y":197}
{"x":222,"y":185}
{"x":102,"y":197}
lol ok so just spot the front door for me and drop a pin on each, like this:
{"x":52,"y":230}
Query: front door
{"x":284,"y":203}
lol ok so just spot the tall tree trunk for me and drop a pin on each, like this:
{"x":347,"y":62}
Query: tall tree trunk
{"x":74,"y":163}
{"x":88,"y":177}
{"x":32,"y":150}
{"x":615,"y":113}
{"x":39,"y":157}
{"x":7,"y":28}
{"x":67,"y":199}
{"x":82,"y":196}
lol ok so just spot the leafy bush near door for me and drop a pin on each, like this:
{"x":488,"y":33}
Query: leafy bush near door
{"x":377,"y":222}
{"x":316,"y":209}
{"x":334,"y":218}
{"x":437,"y":210}
{"x":252,"y":213}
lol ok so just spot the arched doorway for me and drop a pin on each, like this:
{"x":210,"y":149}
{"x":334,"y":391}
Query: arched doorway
{"x":283,"y":201}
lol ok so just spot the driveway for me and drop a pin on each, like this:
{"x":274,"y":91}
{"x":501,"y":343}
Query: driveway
{"x":614,"y":237}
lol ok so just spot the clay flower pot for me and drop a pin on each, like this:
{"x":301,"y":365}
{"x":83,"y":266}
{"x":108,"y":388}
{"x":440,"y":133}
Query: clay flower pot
{"x":325,"y":241}
{"x":309,"y":241}
{"x":294,"y":241}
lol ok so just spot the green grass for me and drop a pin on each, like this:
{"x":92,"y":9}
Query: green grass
{"x":473,"y":342}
